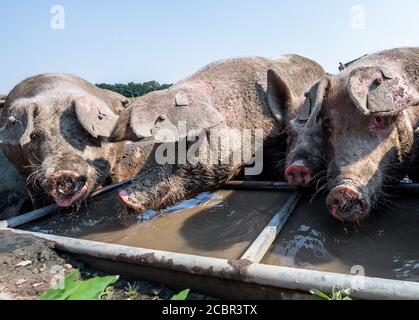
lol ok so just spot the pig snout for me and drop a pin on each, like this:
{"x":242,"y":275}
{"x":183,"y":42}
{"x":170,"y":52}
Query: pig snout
{"x":298,"y":174}
{"x":346,"y":203}
{"x":66,"y":187}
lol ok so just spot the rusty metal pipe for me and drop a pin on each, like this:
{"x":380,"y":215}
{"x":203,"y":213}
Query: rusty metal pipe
{"x":257,"y":185}
{"x":272,"y":185}
{"x":238,"y":270}
{"x":414,"y":187}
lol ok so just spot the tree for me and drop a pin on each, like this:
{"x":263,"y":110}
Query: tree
{"x":132,"y":90}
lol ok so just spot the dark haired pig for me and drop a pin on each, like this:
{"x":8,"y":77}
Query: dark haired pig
{"x":231,"y":94}
{"x":369,"y":116}
{"x":305,"y":158}
{"x":51,"y":129}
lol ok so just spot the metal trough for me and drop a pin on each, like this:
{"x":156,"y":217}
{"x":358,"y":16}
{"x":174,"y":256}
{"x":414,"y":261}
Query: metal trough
{"x":243,"y":278}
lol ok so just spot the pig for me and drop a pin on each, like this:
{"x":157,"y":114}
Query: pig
{"x":368,"y":114}
{"x":51,"y":130}
{"x":305,"y":157}
{"x":222,"y":98}
{"x":12,"y":187}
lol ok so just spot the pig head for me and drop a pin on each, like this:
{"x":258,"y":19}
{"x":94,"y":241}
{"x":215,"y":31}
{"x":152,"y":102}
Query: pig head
{"x":304,"y":155}
{"x":51,"y":128}
{"x":368,"y":128}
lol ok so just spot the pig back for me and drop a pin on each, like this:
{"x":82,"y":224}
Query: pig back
{"x":237,"y":87}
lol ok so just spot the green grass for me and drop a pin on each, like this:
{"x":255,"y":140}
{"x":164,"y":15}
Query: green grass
{"x":94,"y":289}
{"x":75,"y":289}
{"x":337,"y":294}
{"x":181,"y":296}
{"x":131,"y":291}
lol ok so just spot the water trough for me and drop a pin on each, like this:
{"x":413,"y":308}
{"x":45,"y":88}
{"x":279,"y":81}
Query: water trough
{"x":243,"y":276}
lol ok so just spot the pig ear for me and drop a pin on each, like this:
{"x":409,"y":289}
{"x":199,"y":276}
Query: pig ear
{"x":279,"y":96}
{"x":123,"y":130}
{"x":184,"y":118}
{"x":378,"y":90}
{"x":316,"y":97}
{"x":95,"y":116}
{"x":116,"y":100}
{"x":19,"y":124}
{"x":170,"y":127}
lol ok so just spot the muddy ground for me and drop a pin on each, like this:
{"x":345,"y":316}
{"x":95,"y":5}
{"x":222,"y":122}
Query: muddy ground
{"x":29,"y":266}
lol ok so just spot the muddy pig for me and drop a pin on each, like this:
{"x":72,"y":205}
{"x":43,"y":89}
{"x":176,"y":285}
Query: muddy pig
{"x":13,"y":195}
{"x":369,"y":114}
{"x":305,"y":158}
{"x":51,"y":131}
{"x":223,"y":100}
{"x":305,"y":163}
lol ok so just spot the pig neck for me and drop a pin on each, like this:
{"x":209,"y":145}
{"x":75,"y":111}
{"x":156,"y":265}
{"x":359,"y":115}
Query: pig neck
{"x":408,"y":142}
{"x":406,"y":128}
{"x":412,"y":119}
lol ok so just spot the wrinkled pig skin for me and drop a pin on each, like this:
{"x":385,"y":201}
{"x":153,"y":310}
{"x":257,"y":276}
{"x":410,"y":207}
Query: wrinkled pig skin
{"x":243,"y":93}
{"x":51,"y":132}
{"x":368,"y":115}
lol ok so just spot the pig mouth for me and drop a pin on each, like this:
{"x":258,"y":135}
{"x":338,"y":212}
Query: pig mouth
{"x":66,"y":188}
{"x":130,"y":203}
{"x":68,"y":200}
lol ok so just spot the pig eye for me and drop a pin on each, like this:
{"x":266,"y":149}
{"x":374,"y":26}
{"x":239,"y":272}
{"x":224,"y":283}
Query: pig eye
{"x":381,"y":123}
{"x":326,"y":125}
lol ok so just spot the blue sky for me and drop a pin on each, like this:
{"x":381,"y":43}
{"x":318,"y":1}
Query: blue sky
{"x":166,"y":40}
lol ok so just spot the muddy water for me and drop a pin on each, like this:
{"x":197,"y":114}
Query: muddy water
{"x":387,"y":245}
{"x":221,"y":224}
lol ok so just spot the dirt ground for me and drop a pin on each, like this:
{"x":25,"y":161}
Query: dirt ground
{"x":29,"y":266}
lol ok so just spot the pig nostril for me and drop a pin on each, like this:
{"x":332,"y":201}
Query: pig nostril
{"x":298,"y":174}
{"x":347,"y":204}
{"x":68,"y":184}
